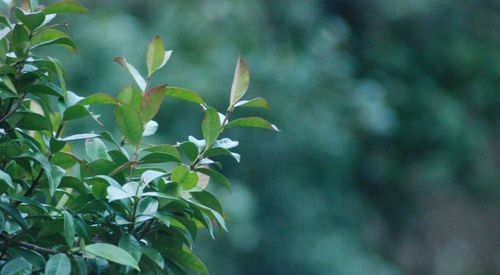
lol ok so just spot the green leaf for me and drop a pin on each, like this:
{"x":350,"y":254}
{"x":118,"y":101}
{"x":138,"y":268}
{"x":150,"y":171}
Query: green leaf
{"x":6,"y":179}
{"x":129,"y":122}
{"x":132,"y":71}
{"x":69,"y":228}
{"x":186,"y":259}
{"x":256,"y":122}
{"x":184,"y":94}
{"x":58,"y":265}
{"x":32,"y":20}
{"x":99,"y":98}
{"x":131,"y":96}
{"x":64,"y":6}
{"x":208,"y":200}
{"x":15,"y":214}
{"x":129,"y":243}
{"x":151,"y":102}
{"x":4,"y":32}
{"x":210,"y":126}
{"x":33,"y":121}
{"x":20,"y":40}
{"x":81,"y":265}
{"x":156,"y":56}
{"x":158,"y":158}
{"x":80,"y":137}
{"x":96,"y":149}
{"x":50,"y":36}
{"x":257,"y":102}
{"x":184,"y":177}
{"x":44,"y":88}
{"x":2,"y":221}
{"x":112,"y":253}
{"x":151,"y":175}
{"x":117,"y":193}
{"x":17,"y":266}
{"x":150,"y":128}
{"x":216,"y":177}
{"x":146,"y":209}
{"x":164,"y":148}
{"x":241,"y":81}
{"x":154,"y":256}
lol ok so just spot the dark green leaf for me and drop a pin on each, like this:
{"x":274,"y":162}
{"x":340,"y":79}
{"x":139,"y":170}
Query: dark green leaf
{"x":129,"y":243}
{"x":164,"y":148}
{"x":6,"y":179}
{"x":186,"y":259}
{"x":154,"y":256}
{"x":20,"y":40}
{"x":31,"y":20}
{"x":33,"y":121}
{"x":15,"y":214}
{"x":208,"y":200}
{"x":112,"y":253}
{"x":158,"y":158}
{"x":52,"y":37}
{"x":58,"y":265}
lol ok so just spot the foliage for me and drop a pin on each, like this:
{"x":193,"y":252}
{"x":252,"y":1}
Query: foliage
{"x":123,"y":205}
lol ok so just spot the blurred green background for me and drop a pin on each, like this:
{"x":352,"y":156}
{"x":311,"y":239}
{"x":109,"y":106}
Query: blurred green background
{"x":389,"y":156}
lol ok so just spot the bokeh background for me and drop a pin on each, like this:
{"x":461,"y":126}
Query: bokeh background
{"x":389,"y":156}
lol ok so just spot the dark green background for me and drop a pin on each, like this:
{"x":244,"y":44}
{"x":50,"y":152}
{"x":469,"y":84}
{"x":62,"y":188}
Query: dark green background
{"x":389,"y":156}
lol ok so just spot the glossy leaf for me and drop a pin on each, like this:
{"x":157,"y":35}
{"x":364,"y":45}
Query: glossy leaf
{"x":69,"y":228}
{"x":151,"y":175}
{"x":241,"y":80}
{"x":216,"y":177}
{"x":50,"y":36}
{"x":131,"y":96}
{"x":129,"y":122}
{"x":210,"y":126}
{"x":132,"y":71}
{"x":257,"y":102}
{"x":6,"y":179}
{"x":17,"y":266}
{"x":255,"y":122}
{"x":99,"y":98}
{"x":156,"y":57}
{"x":186,"y":259}
{"x":58,"y":265}
{"x":112,"y":253}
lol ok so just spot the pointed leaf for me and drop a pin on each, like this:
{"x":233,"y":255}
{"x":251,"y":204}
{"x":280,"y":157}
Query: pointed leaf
{"x":132,"y":71}
{"x":112,"y":253}
{"x":256,"y":122}
{"x":131,"y":96}
{"x":64,"y":6}
{"x":241,"y":81}
{"x":210,"y":126}
{"x":157,"y":57}
{"x":6,"y":179}
{"x":69,"y":228}
{"x":257,"y":102}
{"x":58,"y":265}
{"x":129,"y":122}
{"x":216,"y":177}
{"x":184,"y":94}
{"x":99,"y":98}
{"x":151,"y":102}
{"x":52,"y":36}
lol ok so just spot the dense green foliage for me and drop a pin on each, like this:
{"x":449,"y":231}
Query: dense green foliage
{"x":389,"y":159}
{"x":123,"y":204}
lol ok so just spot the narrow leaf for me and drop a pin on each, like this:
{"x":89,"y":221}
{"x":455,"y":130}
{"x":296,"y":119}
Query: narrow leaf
{"x":210,"y":126}
{"x":69,"y":228}
{"x":184,"y":94}
{"x":157,"y":57}
{"x":132,"y":71}
{"x":256,"y":122}
{"x":241,"y":81}
{"x":257,"y":102}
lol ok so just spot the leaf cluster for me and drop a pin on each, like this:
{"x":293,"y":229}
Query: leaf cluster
{"x":124,"y":206}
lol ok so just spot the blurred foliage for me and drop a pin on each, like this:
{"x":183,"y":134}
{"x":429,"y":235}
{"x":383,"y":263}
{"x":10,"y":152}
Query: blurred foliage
{"x":388,"y":158}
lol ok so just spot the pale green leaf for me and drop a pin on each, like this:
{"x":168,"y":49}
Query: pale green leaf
{"x":58,"y":265}
{"x":112,"y":253}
